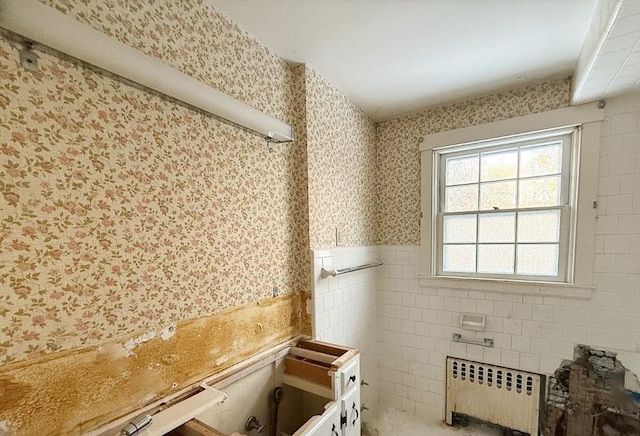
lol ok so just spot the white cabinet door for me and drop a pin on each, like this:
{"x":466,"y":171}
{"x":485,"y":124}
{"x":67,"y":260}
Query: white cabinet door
{"x":351,"y":413}
{"x":350,"y":375}
{"x":327,"y":424}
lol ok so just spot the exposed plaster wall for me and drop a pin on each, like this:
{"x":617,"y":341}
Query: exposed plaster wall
{"x":71,"y":392}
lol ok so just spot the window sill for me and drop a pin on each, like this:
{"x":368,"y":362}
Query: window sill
{"x":563,"y":290}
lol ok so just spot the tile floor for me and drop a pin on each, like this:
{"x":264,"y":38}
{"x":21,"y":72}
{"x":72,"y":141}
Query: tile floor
{"x":393,"y":422}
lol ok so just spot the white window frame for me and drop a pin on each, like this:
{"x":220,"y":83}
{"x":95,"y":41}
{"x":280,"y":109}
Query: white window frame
{"x":569,"y":137}
{"x":578,"y":280}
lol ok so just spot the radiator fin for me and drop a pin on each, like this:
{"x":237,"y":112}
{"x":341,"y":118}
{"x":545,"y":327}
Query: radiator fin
{"x":503,"y":396}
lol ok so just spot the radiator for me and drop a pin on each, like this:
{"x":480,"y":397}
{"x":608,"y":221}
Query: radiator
{"x":502,"y":396}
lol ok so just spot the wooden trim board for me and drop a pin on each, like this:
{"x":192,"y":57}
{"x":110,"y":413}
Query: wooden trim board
{"x":312,"y":355}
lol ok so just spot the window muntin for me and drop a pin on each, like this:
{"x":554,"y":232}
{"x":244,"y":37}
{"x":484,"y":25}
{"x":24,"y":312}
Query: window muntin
{"x":503,"y":208}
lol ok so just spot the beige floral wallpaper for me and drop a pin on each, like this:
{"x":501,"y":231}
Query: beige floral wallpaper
{"x":121,"y":212}
{"x":398,"y":159}
{"x":194,"y":38}
{"x":341,"y":147}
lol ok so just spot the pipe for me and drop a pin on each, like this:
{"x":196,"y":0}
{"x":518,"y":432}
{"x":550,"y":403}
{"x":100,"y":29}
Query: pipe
{"x":275,"y":399}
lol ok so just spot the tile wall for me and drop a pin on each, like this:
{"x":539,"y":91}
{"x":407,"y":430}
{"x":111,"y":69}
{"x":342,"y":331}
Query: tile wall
{"x":345,"y":310}
{"x":530,"y":332}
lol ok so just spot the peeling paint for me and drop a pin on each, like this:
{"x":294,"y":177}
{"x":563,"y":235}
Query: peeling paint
{"x":132,"y":343}
{"x":114,"y":351}
{"x":221,"y":360}
{"x":165,"y":334}
{"x":168,"y":332}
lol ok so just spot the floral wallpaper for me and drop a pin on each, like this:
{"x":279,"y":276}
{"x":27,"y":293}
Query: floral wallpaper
{"x":197,"y":40}
{"x":121,"y":212}
{"x":398,"y":158}
{"x":341,"y":147}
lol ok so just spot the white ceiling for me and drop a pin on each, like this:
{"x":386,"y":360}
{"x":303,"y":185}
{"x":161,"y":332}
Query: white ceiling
{"x":393,"y":57}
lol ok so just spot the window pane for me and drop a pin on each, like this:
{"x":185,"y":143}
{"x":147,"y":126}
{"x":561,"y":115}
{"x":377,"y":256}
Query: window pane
{"x":459,"y":258}
{"x":538,"y":260}
{"x":540,"y":226}
{"x":501,"y":195}
{"x":496,"y":259}
{"x":461,"y":198}
{"x":497,"y":227}
{"x":459,"y":228}
{"x":462,"y":170}
{"x":542,"y":191}
{"x":539,"y":160}
{"x":499,"y":165}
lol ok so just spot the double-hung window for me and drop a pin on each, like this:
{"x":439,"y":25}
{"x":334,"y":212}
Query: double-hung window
{"x":504,"y":209}
{"x":512,"y":202}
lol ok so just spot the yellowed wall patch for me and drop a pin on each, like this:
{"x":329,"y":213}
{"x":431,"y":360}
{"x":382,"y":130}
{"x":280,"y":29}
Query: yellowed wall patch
{"x":75,"y":391}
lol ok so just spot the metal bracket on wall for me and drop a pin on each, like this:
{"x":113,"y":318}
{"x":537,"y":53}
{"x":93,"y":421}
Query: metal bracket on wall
{"x":486,"y":342}
{"x":28,"y":58}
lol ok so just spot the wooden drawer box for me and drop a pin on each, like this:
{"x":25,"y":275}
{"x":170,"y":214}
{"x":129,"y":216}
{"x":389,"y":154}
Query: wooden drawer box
{"x":314,"y":366}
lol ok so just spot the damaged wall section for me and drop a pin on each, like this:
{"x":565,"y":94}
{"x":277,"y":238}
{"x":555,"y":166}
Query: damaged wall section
{"x":72,"y":392}
{"x":588,"y":396}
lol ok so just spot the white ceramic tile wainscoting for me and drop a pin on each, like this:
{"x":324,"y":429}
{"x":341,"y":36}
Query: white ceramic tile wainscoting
{"x":345,"y":311}
{"x":531,"y":333}
{"x":415,"y":324}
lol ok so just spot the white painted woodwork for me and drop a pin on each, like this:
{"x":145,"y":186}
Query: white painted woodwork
{"x":472,"y":394}
{"x":345,"y":397}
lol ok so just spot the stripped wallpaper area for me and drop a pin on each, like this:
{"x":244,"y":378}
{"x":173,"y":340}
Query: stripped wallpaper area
{"x":341,"y":144}
{"x":398,"y":158}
